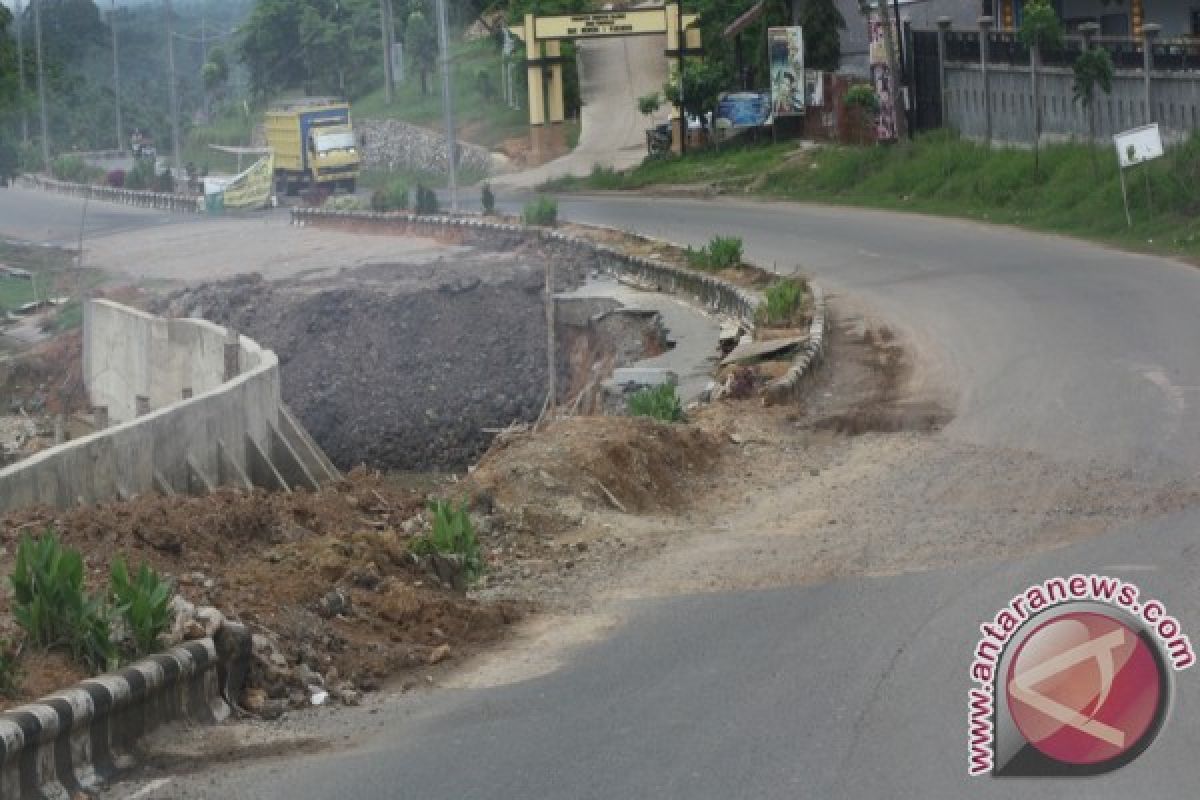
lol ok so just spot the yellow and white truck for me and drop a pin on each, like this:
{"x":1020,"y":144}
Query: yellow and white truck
{"x":314,"y":145}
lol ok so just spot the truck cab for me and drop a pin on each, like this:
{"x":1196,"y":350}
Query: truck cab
{"x":332,"y":156}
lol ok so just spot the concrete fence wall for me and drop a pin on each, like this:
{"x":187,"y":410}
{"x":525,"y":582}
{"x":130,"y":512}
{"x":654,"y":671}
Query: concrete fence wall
{"x":1175,"y":103}
{"x":230,"y":432}
{"x":181,"y":203}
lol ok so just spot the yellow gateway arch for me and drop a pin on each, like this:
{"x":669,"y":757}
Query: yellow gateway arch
{"x":543,"y":38}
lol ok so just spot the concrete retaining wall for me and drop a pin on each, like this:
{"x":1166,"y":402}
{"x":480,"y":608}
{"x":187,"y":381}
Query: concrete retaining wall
{"x":181,"y":203}
{"x":228,"y":433}
{"x":709,"y":291}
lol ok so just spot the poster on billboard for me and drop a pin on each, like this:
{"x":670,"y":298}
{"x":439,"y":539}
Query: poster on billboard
{"x":785,"y":47}
{"x":882,"y":79}
{"x":743,"y":109}
{"x":814,"y":88}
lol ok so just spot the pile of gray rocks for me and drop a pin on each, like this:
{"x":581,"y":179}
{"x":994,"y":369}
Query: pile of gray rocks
{"x":394,"y":145}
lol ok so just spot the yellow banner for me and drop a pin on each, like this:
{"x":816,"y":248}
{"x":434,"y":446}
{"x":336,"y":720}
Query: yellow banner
{"x":252,"y":189}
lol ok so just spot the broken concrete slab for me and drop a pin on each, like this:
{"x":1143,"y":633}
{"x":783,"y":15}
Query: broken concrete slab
{"x":749,"y":352}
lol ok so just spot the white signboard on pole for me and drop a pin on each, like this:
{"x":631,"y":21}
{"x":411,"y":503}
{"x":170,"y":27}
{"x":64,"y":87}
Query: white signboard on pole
{"x":1138,"y":144}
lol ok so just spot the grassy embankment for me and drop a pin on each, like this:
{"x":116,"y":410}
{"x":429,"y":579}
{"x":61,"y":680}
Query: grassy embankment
{"x":52,"y":274}
{"x":1076,"y":192}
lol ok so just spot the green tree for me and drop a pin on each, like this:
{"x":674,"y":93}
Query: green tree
{"x":1093,"y":70}
{"x":702,"y":84}
{"x":420,"y":40}
{"x":1040,"y":32}
{"x":823,"y":24}
{"x":215,"y":75}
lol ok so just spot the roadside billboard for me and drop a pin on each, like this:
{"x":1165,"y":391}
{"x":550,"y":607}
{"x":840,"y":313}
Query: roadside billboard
{"x":785,"y":47}
{"x":743,"y":109}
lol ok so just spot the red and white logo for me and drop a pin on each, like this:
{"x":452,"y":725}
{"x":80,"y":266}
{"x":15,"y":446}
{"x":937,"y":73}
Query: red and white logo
{"x":1085,"y":689}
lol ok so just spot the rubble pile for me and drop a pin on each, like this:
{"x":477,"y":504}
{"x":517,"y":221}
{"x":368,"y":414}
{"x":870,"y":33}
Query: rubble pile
{"x":394,"y":145}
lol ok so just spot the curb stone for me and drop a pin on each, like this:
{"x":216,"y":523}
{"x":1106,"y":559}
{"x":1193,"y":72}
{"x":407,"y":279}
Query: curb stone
{"x":787,"y":388}
{"x":74,"y":739}
{"x":178,"y":203}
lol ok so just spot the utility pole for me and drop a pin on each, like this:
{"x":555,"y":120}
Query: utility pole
{"x":21,"y":79}
{"x":679,"y":40}
{"x":448,"y":104}
{"x":41,"y":84}
{"x":385,"y":27}
{"x":174,"y":92}
{"x":112,"y":21}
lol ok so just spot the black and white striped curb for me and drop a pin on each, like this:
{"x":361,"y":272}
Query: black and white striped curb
{"x":161,"y":201}
{"x":786,"y":389}
{"x":708,"y":291}
{"x":79,"y":737}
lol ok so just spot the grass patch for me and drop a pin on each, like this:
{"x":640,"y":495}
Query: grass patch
{"x":721,"y":252}
{"x":542,"y":211}
{"x":392,"y":196}
{"x":48,"y":266}
{"x":486,"y":121}
{"x":660,"y":402}
{"x":783,"y":302}
{"x":941,"y":173}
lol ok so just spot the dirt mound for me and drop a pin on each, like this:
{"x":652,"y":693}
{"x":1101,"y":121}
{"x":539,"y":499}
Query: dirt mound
{"x":327,"y":575}
{"x":630,"y":464}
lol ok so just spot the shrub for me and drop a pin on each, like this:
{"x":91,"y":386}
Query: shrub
{"x":393,"y":196}
{"x":10,"y":673}
{"x":9,"y":160}
{"x":346,"y":203}
{"x":488,"y":199}
{"x":863,"y":98}
{"x":660,"y":402}
{"x":142,"y":175}
{"x":427,"y":201}
{"x":452,"y":535}
{"x":75,"y":170}
{"x":783,"y":301}
{"x":115,"y":178}
{"x":165,"y":182}
{"x":542,"y":211}
{"x":722,"y":252}
{"x":50,"y":605}
{"x":144,"y":602}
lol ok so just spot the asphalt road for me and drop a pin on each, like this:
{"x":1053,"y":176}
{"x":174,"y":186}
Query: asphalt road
{"x":47,"y":218}
{"x":855,"y":688}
